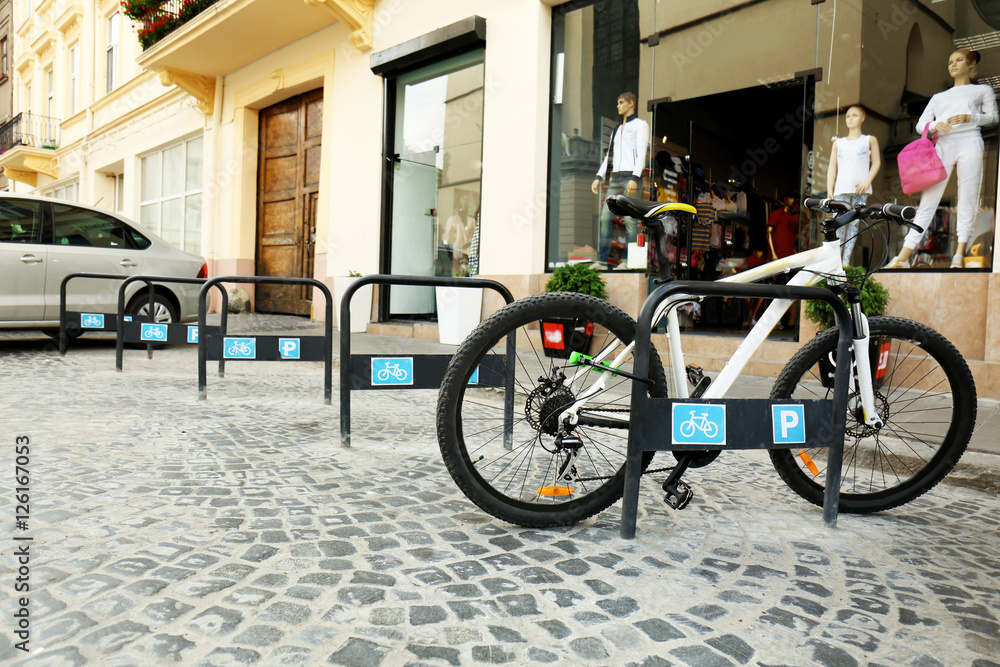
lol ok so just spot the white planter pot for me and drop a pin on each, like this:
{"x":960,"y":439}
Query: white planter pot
{"x":458,"y":312}
{"x":361,"y":303}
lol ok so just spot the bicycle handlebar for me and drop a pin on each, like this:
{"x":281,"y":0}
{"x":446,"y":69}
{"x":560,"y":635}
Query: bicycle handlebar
{"x":901,"y":214}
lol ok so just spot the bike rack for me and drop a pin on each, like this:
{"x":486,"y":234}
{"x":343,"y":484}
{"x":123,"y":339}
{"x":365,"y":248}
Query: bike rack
{"x":651,"y":426}
{"x":134,"y":331}
{"x":109,"y":323}
{"x":431,"y":367}
{"x":309,"y":348}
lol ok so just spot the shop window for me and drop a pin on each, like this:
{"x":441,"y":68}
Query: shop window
{"x":170,"y":194}
{"x":431,"y":217}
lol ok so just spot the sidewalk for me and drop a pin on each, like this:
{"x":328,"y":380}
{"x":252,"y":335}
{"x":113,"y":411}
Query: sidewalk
{"x":236,"y":530}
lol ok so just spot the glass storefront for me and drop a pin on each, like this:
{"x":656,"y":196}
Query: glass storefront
{"x":740,"y":106}
{"x":436,"y":175}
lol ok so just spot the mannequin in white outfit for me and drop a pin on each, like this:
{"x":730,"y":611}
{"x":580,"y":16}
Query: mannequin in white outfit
{"x":955,"y":115}
{"x":854,"y":162}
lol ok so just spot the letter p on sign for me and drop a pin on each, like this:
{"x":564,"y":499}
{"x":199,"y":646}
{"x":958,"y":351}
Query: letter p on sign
{"x":788,"y":424}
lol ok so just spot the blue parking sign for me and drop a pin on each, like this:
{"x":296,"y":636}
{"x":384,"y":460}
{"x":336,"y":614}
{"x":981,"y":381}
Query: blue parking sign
{"x":389,"y":371}
{"x":153,"y":332}
{"x":91,"y":321}
{"x":288,"y":348}
{"x":788,"y":423}
{"x":699,"y":424}
{"x":192,"y":335}
{"x":239,"y":348}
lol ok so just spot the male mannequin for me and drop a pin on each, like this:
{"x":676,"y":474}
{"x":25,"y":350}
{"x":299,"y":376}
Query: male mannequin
{"x":854,"y":162}
{"x":627,"y":151}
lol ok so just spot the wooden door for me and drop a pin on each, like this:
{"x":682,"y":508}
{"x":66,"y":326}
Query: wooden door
{"x":287,"y":187}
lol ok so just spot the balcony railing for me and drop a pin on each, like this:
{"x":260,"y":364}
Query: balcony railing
{"x":159,"y":18}
{"x":28,"y":129}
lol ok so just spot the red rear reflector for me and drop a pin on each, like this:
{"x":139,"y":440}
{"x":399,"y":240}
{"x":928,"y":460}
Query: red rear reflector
{"x":553,"y":336}
{"x":203,"y":273}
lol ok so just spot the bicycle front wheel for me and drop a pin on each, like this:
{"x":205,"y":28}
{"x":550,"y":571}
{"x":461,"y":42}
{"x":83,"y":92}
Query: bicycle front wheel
{"x":505,"y":450}
{"x":926,"y":397}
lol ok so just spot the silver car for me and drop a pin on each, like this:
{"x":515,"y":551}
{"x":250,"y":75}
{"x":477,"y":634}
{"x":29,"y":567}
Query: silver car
{"x":43,"y":240}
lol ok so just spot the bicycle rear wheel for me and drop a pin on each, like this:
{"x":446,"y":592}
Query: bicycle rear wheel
{"x":505,"y":455}
{"x":926,"y":397}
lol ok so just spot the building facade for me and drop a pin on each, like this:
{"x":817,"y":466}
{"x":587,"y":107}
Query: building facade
{"x":318,"y":137}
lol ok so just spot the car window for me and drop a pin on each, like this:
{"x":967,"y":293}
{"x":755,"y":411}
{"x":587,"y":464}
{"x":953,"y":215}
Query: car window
{"x":138,"y":240}
{"x":20,"y":221}
{"x":80,"y":227}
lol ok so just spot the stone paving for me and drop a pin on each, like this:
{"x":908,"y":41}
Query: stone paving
{"x":237,"y":531}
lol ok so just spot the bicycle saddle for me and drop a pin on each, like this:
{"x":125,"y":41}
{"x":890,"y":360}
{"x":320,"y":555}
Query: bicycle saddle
{"x":636,"y":208}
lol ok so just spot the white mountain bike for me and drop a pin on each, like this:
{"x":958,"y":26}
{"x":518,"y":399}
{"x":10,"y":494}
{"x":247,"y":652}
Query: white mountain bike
{"x":557,"y":455}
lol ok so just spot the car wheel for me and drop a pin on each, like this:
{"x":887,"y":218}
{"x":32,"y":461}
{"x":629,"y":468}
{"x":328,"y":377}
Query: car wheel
{"x":163,"y":310}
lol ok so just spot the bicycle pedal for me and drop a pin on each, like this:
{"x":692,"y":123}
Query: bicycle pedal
{"x":678,"y":495}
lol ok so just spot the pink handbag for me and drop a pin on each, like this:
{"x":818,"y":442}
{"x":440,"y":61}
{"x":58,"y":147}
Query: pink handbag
{"x":919,"y":165}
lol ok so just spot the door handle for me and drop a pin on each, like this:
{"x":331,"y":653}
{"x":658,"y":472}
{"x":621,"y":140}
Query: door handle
{"x":129,"y":263}
{"x":30,"y":259}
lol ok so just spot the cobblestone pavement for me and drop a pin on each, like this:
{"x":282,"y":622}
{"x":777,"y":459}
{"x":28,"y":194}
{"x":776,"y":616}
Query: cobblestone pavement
{"x":237,"y":531}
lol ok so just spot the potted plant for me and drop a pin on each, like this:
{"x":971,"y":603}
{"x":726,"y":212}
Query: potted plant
{"x":458,"y":309}
{"x":361,"y":302}
{"x":874,"y":301}
{"x":561,"y":336}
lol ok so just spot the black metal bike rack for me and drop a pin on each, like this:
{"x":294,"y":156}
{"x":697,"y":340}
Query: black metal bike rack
{"x":110,"y":319}
{"x":651,"y":423}
{"x":309,"y":348}
{"x":353,"y":370}
{"x":131,"y":330}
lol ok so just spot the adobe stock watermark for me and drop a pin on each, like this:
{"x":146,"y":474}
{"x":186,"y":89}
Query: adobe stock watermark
{"x":692,"y":48}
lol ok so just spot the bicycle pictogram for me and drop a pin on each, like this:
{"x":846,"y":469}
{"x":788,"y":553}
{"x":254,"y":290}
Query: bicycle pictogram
{"x":701,"y":423}
{"x":393,"y":371}
{"x":154,"y":332}
{"x":93,"y":321}
{"x":239,"y":348}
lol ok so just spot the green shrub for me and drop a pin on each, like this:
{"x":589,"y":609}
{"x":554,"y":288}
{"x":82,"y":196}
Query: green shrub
{"x":874,"y":299}
{"x":577,"y":278}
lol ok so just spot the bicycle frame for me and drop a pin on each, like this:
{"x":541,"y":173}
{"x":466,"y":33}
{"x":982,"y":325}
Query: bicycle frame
{"x":814,"y":264}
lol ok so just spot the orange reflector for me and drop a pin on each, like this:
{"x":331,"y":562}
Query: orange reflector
{"x":555,"y":491}
{"x":809,"y":462}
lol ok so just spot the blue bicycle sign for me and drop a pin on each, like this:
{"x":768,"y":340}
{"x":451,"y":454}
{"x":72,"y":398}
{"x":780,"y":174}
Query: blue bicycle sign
{"x":699,"y":424}
{"x":392,"y":371}
{"x":92,"y":321}
{"x":239,"y":348}
{"x":153,"y":332}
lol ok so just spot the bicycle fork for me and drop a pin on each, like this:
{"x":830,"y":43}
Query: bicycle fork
{"x":862,"y":360}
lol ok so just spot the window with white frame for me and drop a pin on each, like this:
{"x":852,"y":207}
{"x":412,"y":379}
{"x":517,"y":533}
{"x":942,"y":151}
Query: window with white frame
{"x":50,"y":93}
{"x":74,"y":78}
{"x":119,"y":193}
{"x":111,"y":70}
{"x":170,"y":193}
{"x":65,"y":191}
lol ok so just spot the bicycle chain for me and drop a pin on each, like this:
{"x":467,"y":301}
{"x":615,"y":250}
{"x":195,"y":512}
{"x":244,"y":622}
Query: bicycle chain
{"x":645,"y":472}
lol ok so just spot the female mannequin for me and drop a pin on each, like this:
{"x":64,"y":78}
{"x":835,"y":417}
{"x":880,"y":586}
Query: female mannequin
{"x":854,"y":163}
{"x":956,"y":115}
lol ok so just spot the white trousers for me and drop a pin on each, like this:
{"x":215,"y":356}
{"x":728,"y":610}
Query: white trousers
{"x":962,"y":153}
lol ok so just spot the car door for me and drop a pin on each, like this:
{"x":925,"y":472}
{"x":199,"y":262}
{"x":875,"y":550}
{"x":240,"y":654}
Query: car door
{"x":22,"y":261}
{"x":90,"y":242}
